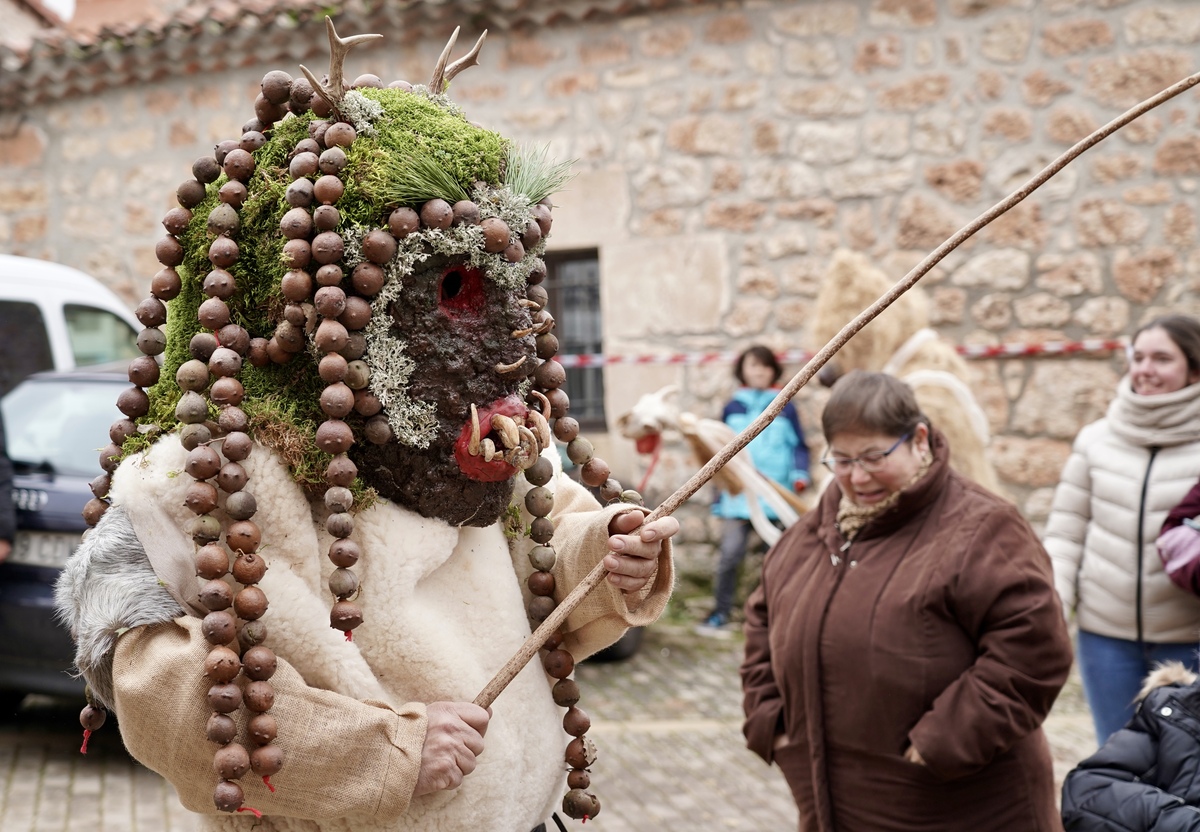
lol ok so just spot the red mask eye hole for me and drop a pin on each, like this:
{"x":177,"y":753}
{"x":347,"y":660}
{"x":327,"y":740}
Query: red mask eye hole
{"x":461,"y":291}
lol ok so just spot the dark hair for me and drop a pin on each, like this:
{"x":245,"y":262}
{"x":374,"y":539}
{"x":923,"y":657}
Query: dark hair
{"x":763,"y":355}
{"x":1184,"y":331}
{"x":864,"y":402}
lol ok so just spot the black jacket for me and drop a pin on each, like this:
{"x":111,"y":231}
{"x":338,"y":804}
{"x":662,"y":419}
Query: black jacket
{"x":1147,"y":776}
{"x":8,"y":517}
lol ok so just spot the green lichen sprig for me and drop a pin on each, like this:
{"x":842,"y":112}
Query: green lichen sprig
{"x":360,"y":111}
{"x":530,"y":171}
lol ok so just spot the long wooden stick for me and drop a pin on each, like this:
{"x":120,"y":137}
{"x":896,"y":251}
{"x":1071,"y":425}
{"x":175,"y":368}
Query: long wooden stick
{"x":668,"y":506}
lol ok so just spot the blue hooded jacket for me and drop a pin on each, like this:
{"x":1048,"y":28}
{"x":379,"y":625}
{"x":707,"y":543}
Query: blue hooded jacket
{"x":778,"y":452}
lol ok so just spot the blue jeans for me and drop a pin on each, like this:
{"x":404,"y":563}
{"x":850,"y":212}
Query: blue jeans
{"x":735,"y":534}
{"x":1113,"y":670}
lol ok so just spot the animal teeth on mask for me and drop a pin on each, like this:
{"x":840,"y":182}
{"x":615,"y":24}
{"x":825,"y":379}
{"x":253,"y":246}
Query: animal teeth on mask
{"x":528,"y":304}
{"x":521,"y":333}
{"x":541,"y":397}
{"x":489,"y":450}
{"x":546,"y":326}
{"x":473,"y":447}
{"x":541,"y":427}
{"x":529,"y":441}
{"x":504,"y":369}
{"x":508,"y":430}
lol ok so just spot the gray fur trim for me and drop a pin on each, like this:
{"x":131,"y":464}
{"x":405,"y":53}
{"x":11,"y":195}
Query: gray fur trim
{"x":106,"y":588}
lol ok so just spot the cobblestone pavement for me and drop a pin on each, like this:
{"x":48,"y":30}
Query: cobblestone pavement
{"x":667,"y":724}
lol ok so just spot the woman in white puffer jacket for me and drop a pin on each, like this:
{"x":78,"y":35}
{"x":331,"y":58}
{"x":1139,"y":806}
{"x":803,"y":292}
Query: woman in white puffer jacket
{"x":1125,"y":473}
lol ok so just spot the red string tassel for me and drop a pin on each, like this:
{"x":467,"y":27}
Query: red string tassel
{"x":257,"y":813}
{"x":349,"y":636}
{"x":87,"y":735}
{"x":267,"y":780}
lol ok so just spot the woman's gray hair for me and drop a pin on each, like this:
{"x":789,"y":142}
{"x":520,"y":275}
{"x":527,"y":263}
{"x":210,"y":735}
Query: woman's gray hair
{"x":864,"y":402}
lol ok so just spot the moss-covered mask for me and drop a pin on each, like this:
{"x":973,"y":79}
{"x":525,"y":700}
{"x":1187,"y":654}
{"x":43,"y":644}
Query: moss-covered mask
{"x":372,"y":260}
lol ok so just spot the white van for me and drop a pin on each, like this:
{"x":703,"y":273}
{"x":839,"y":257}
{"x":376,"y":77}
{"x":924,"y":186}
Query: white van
{"x":53,"y":317}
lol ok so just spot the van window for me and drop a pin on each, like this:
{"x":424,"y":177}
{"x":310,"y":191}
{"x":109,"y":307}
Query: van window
{"x":26,"y":343}
{"x":98,"y":336}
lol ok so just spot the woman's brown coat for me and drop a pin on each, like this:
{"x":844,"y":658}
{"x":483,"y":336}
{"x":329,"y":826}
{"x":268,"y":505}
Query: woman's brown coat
{"x":938,"y":627}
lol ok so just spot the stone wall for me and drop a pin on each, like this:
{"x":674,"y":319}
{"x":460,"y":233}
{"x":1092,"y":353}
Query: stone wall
{"x":725,"y":150}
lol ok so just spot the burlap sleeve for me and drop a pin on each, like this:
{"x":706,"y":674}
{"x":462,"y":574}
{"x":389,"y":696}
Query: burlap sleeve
{"x":581,"y":540}
{"x":343,"y":758}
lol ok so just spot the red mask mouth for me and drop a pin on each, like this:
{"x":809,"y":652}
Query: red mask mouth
{"x":476,"y":465}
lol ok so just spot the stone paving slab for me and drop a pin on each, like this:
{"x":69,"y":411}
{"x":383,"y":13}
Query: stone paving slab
{"x":667,"y":724}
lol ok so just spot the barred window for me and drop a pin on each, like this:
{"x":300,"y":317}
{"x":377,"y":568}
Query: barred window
{"x":573,"y":284}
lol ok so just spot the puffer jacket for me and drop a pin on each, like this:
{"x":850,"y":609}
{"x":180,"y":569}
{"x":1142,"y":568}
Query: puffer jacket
{"x":1146,"y":778}
{"x":1125,"y":473}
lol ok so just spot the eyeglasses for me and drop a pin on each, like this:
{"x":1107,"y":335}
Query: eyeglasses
{"x":870,"y":462}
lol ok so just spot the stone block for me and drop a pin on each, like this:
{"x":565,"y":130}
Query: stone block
{"x":869,"y":178}
{"x":787,"y":243}
{"x":1163,"y":23}
{"x":666,"y":40}
{"x":604,"y":51}
{"x":811,"y":59}
{"x":29,"y":229}
{"x":537,"y":120}
{"x":1107,"y":222}
{"x":741,"y":96}
{"x":948,"y":305}
{"x":524,"y":50}
{"x":769,"y":181}
{"x":923,"y":224}
{"x":677,"y":181}
{"x":859,"y":227}
{"x":767,"y":137}
{"x":1022,"y":226}
{"x":1105,"y":317}
{"x":887,"y":136}
{"x":709,"y":63}
{"x":139,"y":219}
{"x":1032,"y":463}
{"x":748,"y":317}
{"x":903,"y":14}
{"x":639,"y":77}
{"x":1009,"y":123}
{"x":23,"y":194}
{"x":990,"y":84}
{"x":1157,"y":194}
{"x":762,"y":58}
{"x":1178,"y":155}
{"x":665,"y":222}
{"x":1142,"y":130}
{"x":1130,"y":77}
{"x":758,"y":280}
{"x":706,"y":135}
{"x":823,"y":143}
{"x":1007,"y":41}
{"x":1063,"y":396}
{"x":1005,"y":269}
{"x":883,"y":52}
{"x":1039,"y":89}
{"x":993,"y":311}
{"x":1115,"y":167}
{"x":1067,"y":124}
{"x":181,"y":133}
{"x":742,"y":216}
{"x":728,"y":28}
{"x":1069,"y":275}
{"x":820,"y":211}
{"x":791,"y":314}
{"x":1071,"y":37}
{"x":1179,"y":225}
{"x":1037,"y":505}
{"x":1140,"y":276}
{"x":915,"y":94}
{"x":687,"y":275}
{"x":572,"y":83}
{"x":25,"y":148}
{"x":159,"y":102}
{"x":803,"y":276}
{"x":577,"y":222}
{"x":726,"y":177}
{"x":823,"y":100}
{"x":939,"y":133}
{"x":976,"y":8}
{"x":1042,"y":309}
{"x":809,"y":20}
{"x":958,"y":181}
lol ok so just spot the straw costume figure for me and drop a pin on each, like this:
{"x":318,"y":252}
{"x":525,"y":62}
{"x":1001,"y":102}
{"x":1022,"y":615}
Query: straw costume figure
{"x":335,"y":505}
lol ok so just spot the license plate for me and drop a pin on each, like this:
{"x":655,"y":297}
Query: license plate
{"x":44,"y":548}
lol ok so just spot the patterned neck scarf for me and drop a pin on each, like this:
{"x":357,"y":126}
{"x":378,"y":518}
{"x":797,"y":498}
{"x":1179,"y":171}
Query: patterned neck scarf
{"x":851,"y":517}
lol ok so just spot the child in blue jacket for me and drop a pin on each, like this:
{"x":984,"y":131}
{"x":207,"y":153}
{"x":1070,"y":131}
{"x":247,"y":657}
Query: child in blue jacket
{"x":778,"y":452}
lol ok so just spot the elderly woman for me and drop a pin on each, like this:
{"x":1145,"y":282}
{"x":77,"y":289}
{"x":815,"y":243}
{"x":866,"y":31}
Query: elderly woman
{"x":906,"y":641}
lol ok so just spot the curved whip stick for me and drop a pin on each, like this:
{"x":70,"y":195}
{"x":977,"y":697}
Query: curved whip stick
{"x":593,"y":578}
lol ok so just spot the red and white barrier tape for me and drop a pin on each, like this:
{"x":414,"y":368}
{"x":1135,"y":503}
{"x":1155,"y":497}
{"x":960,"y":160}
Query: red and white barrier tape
{"x":970,"y":351}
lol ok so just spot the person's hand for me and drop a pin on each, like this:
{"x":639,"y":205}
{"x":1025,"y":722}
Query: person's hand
{"x":781,"y":741}
{"x":5,"y":550}
{"x":453,"y":739}
{"x":914,"y":756}
{"x":633,"y":557}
